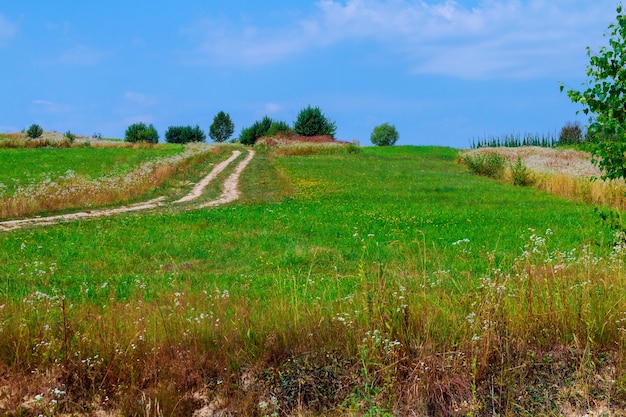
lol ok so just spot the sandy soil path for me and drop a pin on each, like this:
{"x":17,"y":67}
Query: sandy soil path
{"x":230,"y":193}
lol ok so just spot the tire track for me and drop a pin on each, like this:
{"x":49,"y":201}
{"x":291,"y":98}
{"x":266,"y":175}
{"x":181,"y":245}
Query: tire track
{"x":230,"y":193}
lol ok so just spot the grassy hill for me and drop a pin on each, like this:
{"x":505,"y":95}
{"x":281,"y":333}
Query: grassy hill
{"x":385,"y":282}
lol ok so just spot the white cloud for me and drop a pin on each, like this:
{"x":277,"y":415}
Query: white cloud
{"x":496,"y":38}
{"x":7,"y":29}
{"x":139,"y":98}
{"x":273,"y":108}
{"x":46,"y":106}
{"x":83,"y":55}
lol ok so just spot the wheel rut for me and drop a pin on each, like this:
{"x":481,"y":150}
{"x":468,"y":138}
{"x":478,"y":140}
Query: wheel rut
{"x":230,"y":193}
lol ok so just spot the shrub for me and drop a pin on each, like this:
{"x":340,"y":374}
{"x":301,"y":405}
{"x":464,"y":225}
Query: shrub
{"x":571,"y":134}
{"x":70,"y":136}
{"x":520,"y":174}
{"x":249,"y":135}
{"x":184,"y":134}
{"x":97,"y":135}
{"x":279,"y":128}
{"x":34,"y":131}
{"x":139,"y":132}
{"x":384,"y":135}
{"x":222,"y":127}
{"x":490,"y":165}
{"x":312,"y":122}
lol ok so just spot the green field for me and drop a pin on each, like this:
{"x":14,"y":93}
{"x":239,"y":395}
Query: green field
{"x":23,"y":166}
{"x":380,"y":283}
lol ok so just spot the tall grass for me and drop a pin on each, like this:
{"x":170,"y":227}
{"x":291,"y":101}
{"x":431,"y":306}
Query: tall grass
{"x":72,"y":190}
{"x":399,"y":286}
{"x":565,"y":173}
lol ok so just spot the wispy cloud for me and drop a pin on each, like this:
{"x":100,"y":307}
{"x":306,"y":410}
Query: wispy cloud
{"x":496,"y":38}
{"x":139,"y":98}
{"x":83,"y":55}
{"x":46,"y":106}
{"x":7,"y":30}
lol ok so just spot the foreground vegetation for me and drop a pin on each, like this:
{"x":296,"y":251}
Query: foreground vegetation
{"x":385,"y":282}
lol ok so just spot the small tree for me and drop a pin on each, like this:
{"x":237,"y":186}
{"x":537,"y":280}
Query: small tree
{"x":571,"y":134}
{"x":184,"y":134}
{"x":139,"y":132}
{"x":384,"y":135}
{"x":34,"y":131}
{"x":312,"y":122}
{"x":604,"y":101}
{"x":222,"y":127}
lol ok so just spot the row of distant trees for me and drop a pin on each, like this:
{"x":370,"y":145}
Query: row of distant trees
{"x":220,"y":130}
{"x":310,"y":121}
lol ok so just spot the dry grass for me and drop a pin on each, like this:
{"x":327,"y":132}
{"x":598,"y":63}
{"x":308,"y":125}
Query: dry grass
{"x":71,"y":190}
{"x":567,"y":173}
{"x":58,"y":140}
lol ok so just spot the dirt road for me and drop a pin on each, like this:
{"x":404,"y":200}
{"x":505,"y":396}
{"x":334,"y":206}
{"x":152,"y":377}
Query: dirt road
{"x":230,"y":193}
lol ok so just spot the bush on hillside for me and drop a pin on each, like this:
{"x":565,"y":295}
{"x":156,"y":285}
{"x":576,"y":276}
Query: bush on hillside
{"x":184,"y":134}
{"x":70,"y":136}
{"x":34,"y":131}
{"x":280,"y":128}
{"x":222,"y":127}
{"x":571,"y":134}
{"x":249,"y":135}
{"x":384,"y":135}
{"x":312,"y":122}
{"x":139,"y":132}
{"x":489,"y":165}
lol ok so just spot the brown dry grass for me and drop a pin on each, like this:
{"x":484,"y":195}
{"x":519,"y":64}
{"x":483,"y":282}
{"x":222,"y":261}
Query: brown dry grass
{"x":77,"y":191}
{"x":567,"y":173}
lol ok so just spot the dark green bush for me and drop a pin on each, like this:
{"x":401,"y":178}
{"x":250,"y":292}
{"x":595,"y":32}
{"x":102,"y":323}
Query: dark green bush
{"x":384,"y":135}
{"x":280,"y":128}
{"x":184,"y":134}
{"x":222,"y":127}
{"x":139,"y":132}
{"x":571,"y":134}
{"x":249,"y":135}
{"x":312,"y":122}
{"x":34,"y":131}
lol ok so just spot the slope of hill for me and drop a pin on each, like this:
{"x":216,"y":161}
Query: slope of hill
{"x":386,"y":282}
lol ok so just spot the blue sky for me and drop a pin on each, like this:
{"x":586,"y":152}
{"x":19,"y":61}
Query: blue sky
{"x":441,"y":71}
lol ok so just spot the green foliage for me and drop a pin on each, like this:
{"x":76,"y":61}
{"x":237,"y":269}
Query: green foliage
{"x":571,"y":134}
{"x":280,"y":128}
{"x":604,"y":101}
{"x":312,"y":122}
{"x":34,"y":131}
{"x":520,"y":174}
{"x":70,"y":136}
{"x":222,"y":127}
{"x":249,"y":135}
{"x":384,"y":135}
{"x":139,"y":132}
{"x":184,"y":134}
{"x":515,"y":140}
{"x":489,"y":165}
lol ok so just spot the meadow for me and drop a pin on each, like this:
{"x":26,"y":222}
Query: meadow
{"x":389,"y":281}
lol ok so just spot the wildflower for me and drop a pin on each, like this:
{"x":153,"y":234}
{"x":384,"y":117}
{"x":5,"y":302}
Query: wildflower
{"x":458,"y":242}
